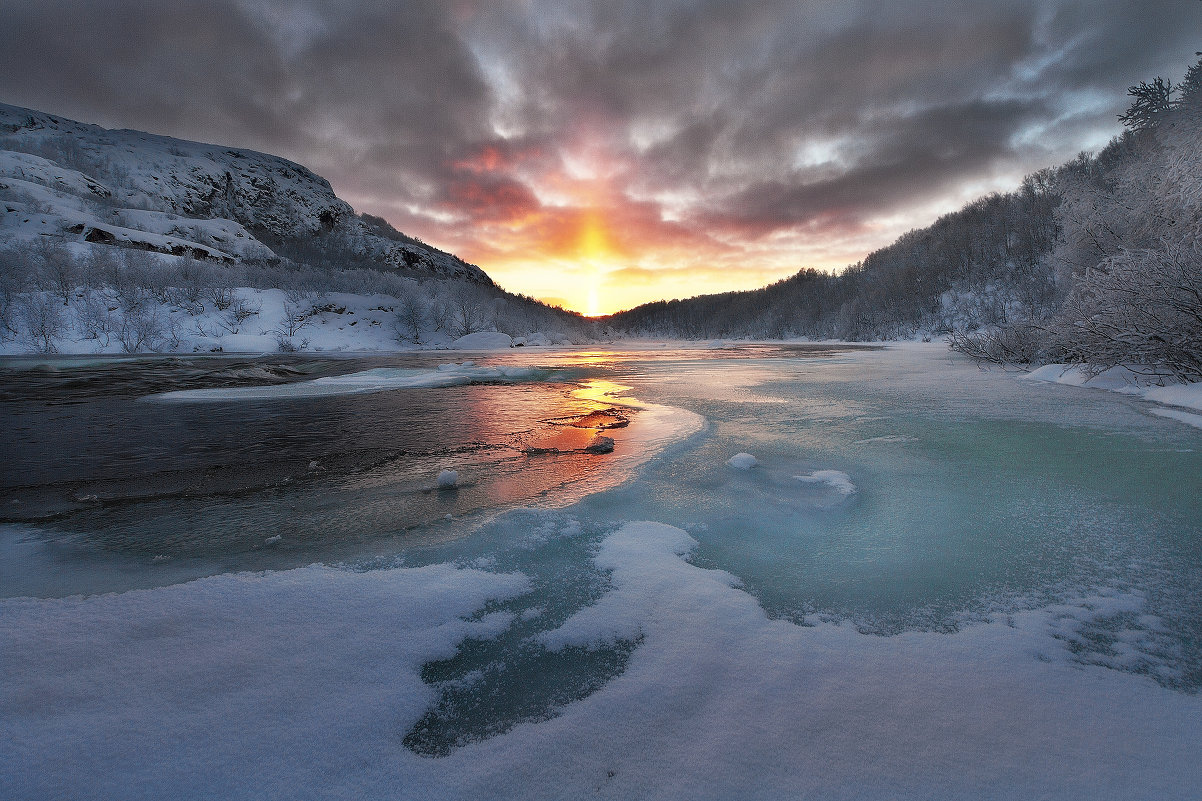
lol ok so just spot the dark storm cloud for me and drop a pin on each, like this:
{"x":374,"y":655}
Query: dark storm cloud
{"x":718,"y":115}
{"x":357,"y":87}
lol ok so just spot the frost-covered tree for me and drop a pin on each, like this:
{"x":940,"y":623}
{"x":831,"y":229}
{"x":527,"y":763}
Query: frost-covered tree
{"x":56,"y":268}
{"x":411,"y":319}
{"x":1140,"y":308}
{"x":41,"y":320}
{"x":469,"y":311}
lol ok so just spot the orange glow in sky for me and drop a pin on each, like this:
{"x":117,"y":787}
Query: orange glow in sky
{"x":565,"y":228}
{"x":575,"y":228}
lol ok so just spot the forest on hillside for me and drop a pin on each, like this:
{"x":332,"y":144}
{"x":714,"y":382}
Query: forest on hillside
{"x":1097,"y":261}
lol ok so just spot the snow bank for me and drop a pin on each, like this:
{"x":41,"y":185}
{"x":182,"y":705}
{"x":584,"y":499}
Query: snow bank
{"x":1116,"y":379}
{"x":1121,"y":379}
{"x":1189,"y":418}
{"x":483,"y":340}
{"x":742,"y":461}
{"x":381,"y":379}
{"x":536,"y":340}
{"x":1188,"y":396}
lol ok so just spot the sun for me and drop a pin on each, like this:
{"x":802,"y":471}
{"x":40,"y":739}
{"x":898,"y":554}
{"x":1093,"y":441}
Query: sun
{"x":596,"y":254}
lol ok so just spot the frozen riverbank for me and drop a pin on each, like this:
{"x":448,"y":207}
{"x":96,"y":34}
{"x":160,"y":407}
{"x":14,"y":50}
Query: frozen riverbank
{"x":930,"y":581}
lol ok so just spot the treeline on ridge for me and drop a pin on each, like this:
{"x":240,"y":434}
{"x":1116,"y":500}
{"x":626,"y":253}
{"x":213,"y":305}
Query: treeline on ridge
{"x":1098,"y":261}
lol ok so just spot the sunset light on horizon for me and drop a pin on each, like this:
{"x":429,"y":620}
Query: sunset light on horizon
{"x":688,"y":400}
{"x":600,"y":156}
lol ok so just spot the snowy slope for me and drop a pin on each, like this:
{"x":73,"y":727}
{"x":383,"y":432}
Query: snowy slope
{"x":214,"y":201}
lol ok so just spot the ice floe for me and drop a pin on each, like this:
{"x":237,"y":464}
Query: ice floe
{"x":742,"y":461}
{"x":835,"y":479}
{"x":380,"y":379}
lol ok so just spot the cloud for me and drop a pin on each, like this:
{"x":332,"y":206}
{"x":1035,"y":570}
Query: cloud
{"x":719,"y":142}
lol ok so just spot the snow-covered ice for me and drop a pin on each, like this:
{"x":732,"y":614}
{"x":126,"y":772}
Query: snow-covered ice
{"x":119,"y":696}
{"x":381,"y":379}
{"x":1040,"y":651}
{"x":835,"y":479}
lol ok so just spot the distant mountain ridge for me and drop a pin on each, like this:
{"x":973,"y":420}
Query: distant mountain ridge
{"x":80,"y":182}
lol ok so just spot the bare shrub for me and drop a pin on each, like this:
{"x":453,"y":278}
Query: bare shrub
{"x":221,"y":296}
{"x":298,"y":313}
{"x":286,"y":345}
{"x":410,"y":320}
{"x":93,"y":320}
{"x":42,"y":320}
{"x":1021,"y":343}
{"x":56,"y":268}
{"x":142,"y":328}
{"x":240,"y":310}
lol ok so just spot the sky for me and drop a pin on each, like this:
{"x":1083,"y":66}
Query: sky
{"x":603,"y":154}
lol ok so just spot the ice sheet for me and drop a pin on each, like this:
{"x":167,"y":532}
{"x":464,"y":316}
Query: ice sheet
{"x":309,"y":679}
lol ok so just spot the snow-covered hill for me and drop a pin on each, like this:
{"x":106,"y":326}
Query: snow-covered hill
{"x":67,"y":180}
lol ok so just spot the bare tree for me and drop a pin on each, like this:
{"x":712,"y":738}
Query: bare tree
{"x":142,"y":328}
{"x":93,"y":320}
{"x":298,"y":312}
{"x":14,"y":279}
{"x":440,"y":315}
{"x":469,"y":312}
{"x":411,"y":319}
{"x":57,"y":268}
{"x":43,"y":321}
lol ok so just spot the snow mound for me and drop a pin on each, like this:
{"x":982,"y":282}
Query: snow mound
{"x":742,"y":461}
{"x":1188,"y":396}
{"x":835,"y":479}
{"x":1116,"y":379}
{"x":483,"y":340}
